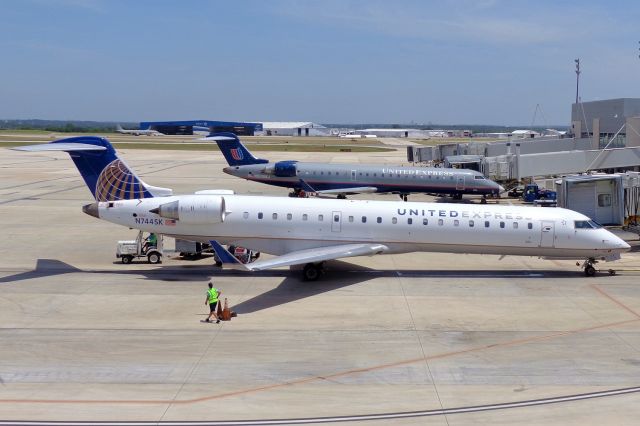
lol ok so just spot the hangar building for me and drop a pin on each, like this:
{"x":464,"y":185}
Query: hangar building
{"x":189,"y":126}
{"x":293,"y":128}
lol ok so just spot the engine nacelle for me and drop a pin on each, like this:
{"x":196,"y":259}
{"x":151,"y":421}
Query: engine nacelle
{"x":194,"y":209}
{"x":285,"y":168}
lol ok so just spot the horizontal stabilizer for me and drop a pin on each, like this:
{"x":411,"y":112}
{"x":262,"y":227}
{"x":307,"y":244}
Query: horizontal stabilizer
{"x":67,"y":147}
{"x":216,"y":138}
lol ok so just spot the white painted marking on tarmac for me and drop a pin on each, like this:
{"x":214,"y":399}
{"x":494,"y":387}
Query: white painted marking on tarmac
{"x":357,"y":418}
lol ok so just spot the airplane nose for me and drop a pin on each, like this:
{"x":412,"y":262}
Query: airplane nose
{"x":91,"y":210}
{"x":501,"y":189}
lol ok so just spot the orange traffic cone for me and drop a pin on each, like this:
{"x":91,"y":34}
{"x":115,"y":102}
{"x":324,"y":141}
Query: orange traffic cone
{"x":219,"y":311}
{"x":226,"y":313}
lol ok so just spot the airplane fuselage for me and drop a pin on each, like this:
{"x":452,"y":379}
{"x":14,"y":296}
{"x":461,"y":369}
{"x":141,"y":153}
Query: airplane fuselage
{"x":279,"y":225}
{"x":384,"y":178}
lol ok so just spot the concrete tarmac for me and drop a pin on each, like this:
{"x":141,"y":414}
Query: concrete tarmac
{"x":87,"y":338}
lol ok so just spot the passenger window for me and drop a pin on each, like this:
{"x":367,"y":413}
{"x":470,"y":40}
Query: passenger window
{"x":379,"y":219}
{"x":289,"y":216}
{"x":351,"y":219}
{"x":456,"y":222}
{"x":501,"y":224}
{"x":515,"y":225}
{"x":409,"y":221}
{"x":367,"y":174}
{"x":245,"y":215}
{"x":529,"y":225}
{"x":440,"y":222}
{"x":425,"y":221}
{"x":486,"y":223}
{"x":336,"y":218}
{"x":375,"y":174}
{"x":471,"y":224}
{"x":394,"y":220}
{"x":260,"y":215}
{"x":364,"y":219}
{"x":274,"y":216}
{"x":320,"y":218}
{"x":305,"y":217}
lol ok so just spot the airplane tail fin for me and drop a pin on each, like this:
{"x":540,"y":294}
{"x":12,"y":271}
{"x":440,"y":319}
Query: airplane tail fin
{"x":107,"y":176}
{"x":233,"y":150}
{"x":119,"y":127}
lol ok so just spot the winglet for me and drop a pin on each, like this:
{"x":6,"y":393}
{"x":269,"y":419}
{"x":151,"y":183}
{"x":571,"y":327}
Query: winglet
{"x":228,"y":260}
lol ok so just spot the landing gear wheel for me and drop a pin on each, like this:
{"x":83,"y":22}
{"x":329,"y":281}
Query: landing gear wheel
{"x":589,"y":271}
{"x":126,"y":260}
{"x":342,"y":197}
{"x":153,"y":258}
{"x":311,"y":272}
{"x":484,"y":200}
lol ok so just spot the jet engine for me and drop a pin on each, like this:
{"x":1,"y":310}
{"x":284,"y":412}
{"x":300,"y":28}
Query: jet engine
{"x":285,"y":168}
{"x":194,"y":210}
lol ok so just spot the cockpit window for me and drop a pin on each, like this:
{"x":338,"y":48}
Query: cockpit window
{"x":478,"y":177}
{"x":586,"y":224}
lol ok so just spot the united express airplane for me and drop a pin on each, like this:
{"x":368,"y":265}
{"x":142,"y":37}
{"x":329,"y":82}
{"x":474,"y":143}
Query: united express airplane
{"x":308,"y":232}
{"x":345,"y":179}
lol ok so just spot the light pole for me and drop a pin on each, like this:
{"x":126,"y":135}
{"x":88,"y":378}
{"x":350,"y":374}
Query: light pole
{"x":577,"y":61}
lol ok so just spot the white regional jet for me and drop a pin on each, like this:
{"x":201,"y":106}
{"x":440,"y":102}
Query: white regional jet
{"x":138,"y":132}
{"x":310,"y":231}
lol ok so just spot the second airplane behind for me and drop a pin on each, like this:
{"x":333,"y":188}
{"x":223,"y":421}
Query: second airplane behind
{"x":347,"y":179}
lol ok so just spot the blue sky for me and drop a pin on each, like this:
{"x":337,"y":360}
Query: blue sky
{"x":330,"y":61}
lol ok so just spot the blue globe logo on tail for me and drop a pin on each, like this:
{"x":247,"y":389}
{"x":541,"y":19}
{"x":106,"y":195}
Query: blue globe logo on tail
{"x":117,"y":182}
{"x":236,"y":153}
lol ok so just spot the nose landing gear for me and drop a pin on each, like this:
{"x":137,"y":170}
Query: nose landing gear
{"x":590,"y":269}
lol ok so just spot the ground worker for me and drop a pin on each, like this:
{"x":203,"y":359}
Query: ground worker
{"x":150,"y":242}
{"x":213,"y":295}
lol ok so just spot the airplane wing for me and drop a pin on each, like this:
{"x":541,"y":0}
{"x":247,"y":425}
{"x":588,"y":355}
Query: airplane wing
{"x":314,"y":255}
{"x":338,"y":191}
{"x":358,"y":190}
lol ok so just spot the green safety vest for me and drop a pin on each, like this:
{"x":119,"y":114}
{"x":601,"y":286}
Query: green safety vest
{"x":213,"y":295}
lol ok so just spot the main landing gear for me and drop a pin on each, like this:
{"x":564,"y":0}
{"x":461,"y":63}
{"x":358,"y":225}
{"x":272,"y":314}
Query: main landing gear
{"x":298,"y":193}
{"x":312,"y":271}
{"x":403,"y":197}
{"x":590,"y":269}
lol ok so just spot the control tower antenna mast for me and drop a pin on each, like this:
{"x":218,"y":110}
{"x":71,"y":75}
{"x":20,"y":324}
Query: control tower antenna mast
{"x":577,"y":61}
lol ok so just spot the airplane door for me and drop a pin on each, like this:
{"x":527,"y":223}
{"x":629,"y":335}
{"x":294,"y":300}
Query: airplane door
{"x":548,"y":233}
{"x":336,"y":221}
{"x":460,"y":183}
{"x":353,"y":175}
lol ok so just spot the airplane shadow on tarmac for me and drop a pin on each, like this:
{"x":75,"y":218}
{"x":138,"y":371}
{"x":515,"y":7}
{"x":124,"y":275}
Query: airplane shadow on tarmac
{"x":339,"y":274}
